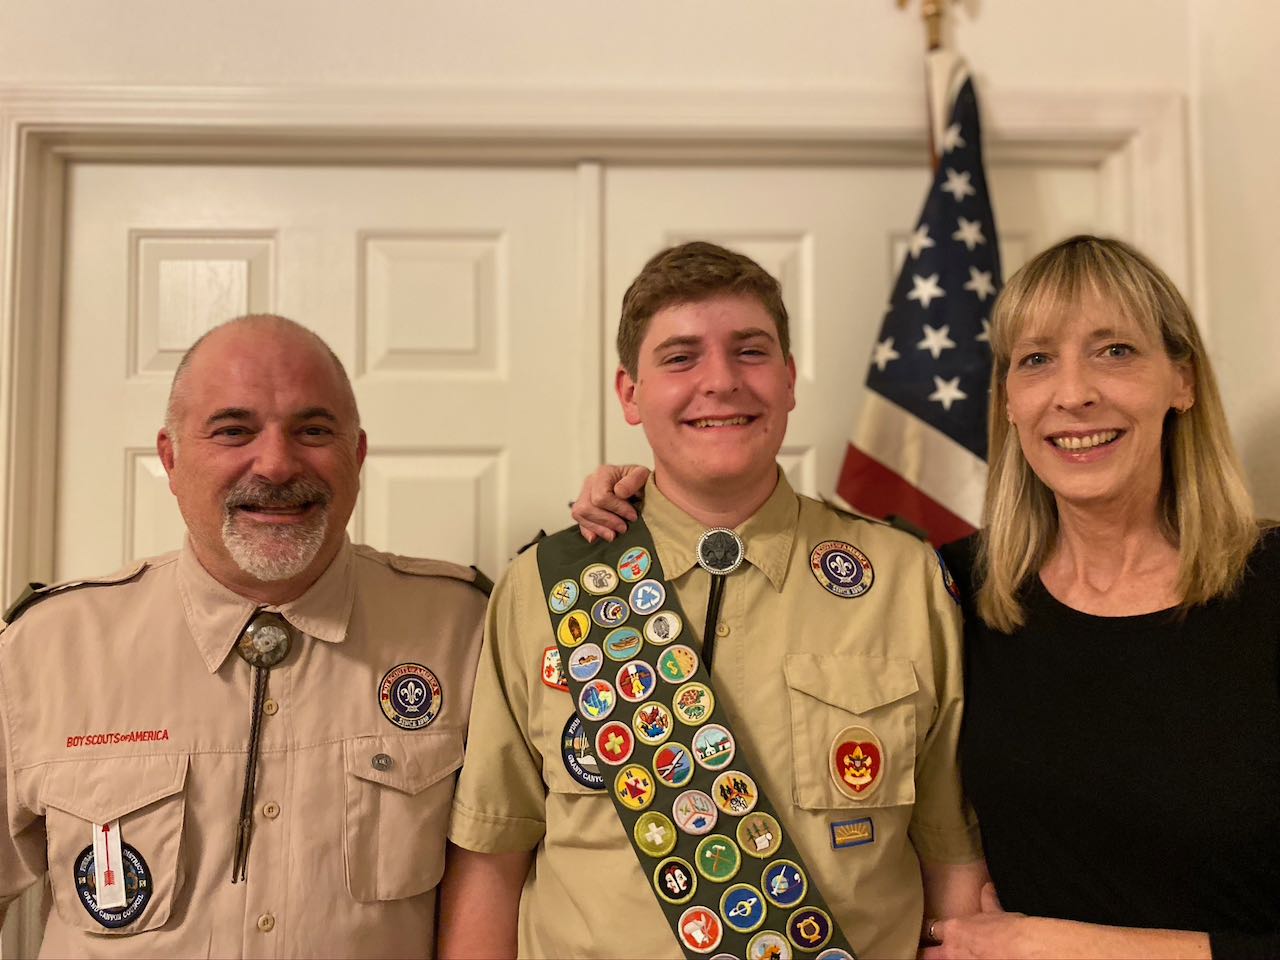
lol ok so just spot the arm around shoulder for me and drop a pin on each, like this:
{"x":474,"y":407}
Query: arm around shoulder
{"x":480,"y":903}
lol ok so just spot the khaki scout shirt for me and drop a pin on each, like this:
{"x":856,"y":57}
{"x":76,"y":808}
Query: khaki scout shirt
{"x":127,"y":701}
{"x":794,"y":666}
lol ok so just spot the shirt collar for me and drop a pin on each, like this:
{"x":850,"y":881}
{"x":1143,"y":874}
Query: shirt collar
{"x":768,"y":534}
{"x":216,"y":614}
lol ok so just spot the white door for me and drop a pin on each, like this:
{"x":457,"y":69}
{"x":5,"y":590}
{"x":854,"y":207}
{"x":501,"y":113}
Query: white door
{"x":451,"y":295}
{"x":834,"y":237}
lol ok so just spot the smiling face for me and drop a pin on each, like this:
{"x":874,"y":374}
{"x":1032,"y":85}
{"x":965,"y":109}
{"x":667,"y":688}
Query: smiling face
{"x":712,"y":389}
{"x":264,"y":457}
{"x":1088,"y":395}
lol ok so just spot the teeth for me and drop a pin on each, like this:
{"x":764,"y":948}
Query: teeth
{"x":1085,"y":443}
{"x":726,"y":422}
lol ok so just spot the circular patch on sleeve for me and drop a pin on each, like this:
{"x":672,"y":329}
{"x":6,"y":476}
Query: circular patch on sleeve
{"x":841,"y":568}
{"x":575,"y":749}
{"x":857,"y":761}
{"x":410,"y":696}
{"x":137,"y":887}
{"x":663,"y":627}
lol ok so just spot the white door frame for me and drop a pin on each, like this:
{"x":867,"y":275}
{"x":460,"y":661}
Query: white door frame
{"x":1138,"y":140}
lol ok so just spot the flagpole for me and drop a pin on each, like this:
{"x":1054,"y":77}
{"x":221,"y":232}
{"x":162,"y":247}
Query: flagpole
{"x":931,"y":12}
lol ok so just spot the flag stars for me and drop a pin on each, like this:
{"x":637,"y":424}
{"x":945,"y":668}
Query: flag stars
{"x":958,"y":185}
{"x":969,"y":232}
{"x":947,"y":392}
{"x":980,"y":283}
{"x":985,"y":335}
{"x":883,"y":354}
{"x":952,"y":139}
{"x":926,"y":290}
{"x":935,"y":341}
{"x":920,"y":241}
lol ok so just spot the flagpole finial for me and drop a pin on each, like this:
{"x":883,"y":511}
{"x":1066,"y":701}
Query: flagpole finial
{"x":932,"y":12}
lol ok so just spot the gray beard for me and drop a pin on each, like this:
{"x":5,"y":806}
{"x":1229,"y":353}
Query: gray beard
{"x":271,"y":552}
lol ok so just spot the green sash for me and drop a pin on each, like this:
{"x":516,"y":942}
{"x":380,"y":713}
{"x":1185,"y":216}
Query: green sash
{"x":727,"y":877}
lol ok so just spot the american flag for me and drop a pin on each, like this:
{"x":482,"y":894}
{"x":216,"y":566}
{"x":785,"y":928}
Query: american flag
{"x":920,"y":447}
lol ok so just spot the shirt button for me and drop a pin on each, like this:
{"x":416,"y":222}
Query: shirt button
{"x":381,"y":761}
{"x":269,"y":707}
{"x":271,"y":809}
{"x":722,"y":629}
{"x":266,"y":923}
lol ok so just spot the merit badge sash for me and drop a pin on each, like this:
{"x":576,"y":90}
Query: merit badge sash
{"x":726,"y":875}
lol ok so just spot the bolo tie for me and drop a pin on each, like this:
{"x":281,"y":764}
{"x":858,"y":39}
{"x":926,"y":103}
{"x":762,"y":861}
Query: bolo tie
{"x":265,"y":640}
{"x":720,"y":552}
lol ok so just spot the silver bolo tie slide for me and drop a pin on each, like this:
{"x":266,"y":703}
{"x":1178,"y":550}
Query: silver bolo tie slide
{"x":720,"y":552}
{"x":265,"y":641}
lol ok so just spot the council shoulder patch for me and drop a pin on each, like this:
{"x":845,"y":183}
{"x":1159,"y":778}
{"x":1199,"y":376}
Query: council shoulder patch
{"x":948,"y":580}
{"x":410,"y":696}
{"x":552,"y":669}
{"x":137,"y":887}
{"x":841,"y":568}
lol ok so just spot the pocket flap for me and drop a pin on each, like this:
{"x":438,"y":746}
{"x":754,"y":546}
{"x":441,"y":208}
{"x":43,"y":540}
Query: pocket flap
{"x":100,"y":791}
{"x":853,"y":683}
{"x":409,"y":763}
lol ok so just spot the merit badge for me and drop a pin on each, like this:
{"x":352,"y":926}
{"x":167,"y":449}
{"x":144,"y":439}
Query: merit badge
{"x":563,"y":596}
{"x":663,"y":627}
{"x":609,"y":611}
{"x":717,"y":858}
{"x":623,"y":643}
{"x":841,"y":568}
{"x":768,"y":945}
{"x":410,"y":696}
{"x":677,"y":664}
{"x":634,"y":787}
{"x":673,"y":765}
{"x":784,"y":883}
{"x":720,"y":551}
{"x":585,"y":662}
{"x":693,"y":703}
{"x":552,"y":671}
{"x":599,"y":579}
{"x":713,"y":746}
{"x":636,"y":681}
{"x":742,"y":908}
{"x":694,"y":813}
{"x":634,"y":564}
{"x":647,"y":596}
{"x":809,"y":928}
{"x":573,"y":628}
{"x":835,"y":953}
{"x":759,"y":835}
{"x":700,"y":929}
{"x":575,"y":748}
{"x":857,"y":760}
{"x":674,"y":880}
{"x":652,"y":723}
{"x":734,"y":793}
{"x":597,"y":700}
{"x":852,"y":833}
{"x":137,"y":887}
{"x":614,"y":743}
{"x":948,"y":580}
{"x":655,"y":834}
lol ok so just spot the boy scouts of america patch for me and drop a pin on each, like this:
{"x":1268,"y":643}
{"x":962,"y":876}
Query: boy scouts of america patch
{"x":841,"y":568}
{"x":552,"y":671}
{"x":137,"y":887}
{"x":857,"y":761}
{"x":410,"y":696}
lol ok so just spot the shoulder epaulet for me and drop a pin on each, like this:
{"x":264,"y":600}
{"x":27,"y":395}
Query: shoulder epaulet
{"x":893,"y":520}
{"x":33,"y":593}
{"x":540,"y":535}
{"x":422,"y":567}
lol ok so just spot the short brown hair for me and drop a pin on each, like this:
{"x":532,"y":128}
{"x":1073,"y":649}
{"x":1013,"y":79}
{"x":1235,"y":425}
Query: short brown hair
{"x":690,"y":273}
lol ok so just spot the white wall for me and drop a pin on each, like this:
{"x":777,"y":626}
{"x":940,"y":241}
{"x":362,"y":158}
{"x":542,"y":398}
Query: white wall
{"x":1215,"y":54}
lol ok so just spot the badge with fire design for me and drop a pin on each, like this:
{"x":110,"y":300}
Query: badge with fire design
{"x":857,"y":761}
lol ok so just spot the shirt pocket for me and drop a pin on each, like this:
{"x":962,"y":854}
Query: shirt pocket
{"x":555,"y":709}
{"x":399,"y":791}
{"x":828,"y":696}
{"x":147,"y":795}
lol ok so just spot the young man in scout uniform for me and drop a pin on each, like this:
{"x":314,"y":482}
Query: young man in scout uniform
{"x":246,"y":747}
{"x":733,"y":729}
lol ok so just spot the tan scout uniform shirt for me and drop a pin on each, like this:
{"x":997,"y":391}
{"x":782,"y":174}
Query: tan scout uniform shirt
{"x":127,"y":701}
{"x":794,"y":666}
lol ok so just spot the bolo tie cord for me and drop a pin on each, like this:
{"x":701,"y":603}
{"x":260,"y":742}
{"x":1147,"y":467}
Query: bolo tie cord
{"x":714,"y":598}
